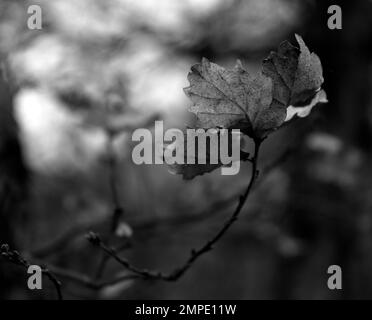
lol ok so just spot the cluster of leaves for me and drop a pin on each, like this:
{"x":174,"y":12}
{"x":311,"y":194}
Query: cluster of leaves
{"x":288,"y":86}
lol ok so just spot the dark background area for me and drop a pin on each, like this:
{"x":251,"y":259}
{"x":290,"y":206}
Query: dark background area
{"x":311,"y":211}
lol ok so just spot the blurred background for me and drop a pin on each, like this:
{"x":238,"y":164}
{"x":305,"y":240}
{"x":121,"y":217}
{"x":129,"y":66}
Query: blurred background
{"x":72,"y":93}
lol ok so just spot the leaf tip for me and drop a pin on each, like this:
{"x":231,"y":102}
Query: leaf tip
{"x":186,"y":90}
{"x":205,"y":61}
{"x":299,"y":39}
{"x":239,"y":65}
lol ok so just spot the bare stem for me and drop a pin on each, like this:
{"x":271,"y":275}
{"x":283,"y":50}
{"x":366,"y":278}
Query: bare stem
{"x":86,"y":281}
{"x":137,"y":273}
{"x":14,"y":257}
{"x":195,"y":254}
{"x":112,"y":167}
{"x":117,"y":208}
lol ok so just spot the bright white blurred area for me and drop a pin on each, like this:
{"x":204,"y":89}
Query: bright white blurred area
{"x":66,"y":146}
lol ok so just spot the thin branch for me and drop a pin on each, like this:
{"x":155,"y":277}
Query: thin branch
{"x":195,"y":254}
{"x":59,"y":243}
{"x":118,"y":210}
{"x":175,"y":220}
{"x":14,"y":257}
{"x":89,"y":282}
{"x":96,"y":284}
{"x":52,"y":272}
{"x":218,"y":205}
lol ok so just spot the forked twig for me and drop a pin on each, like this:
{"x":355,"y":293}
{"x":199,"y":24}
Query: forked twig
{"x":137,"y":273}
{"x":78,"y":230}
{"x":195,"y":254}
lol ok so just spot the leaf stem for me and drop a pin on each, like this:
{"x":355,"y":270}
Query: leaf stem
{"x":195,"y":254}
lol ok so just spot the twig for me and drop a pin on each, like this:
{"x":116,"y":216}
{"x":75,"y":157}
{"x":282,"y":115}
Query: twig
{"x":217,"y":205}
{"x":14,"y":257}
{"x":52,"y":271}
{"x":89,"y":282}
{"x":174,"y":220}
{"x":55,"y":246}
{"x":96,"y":284}
{"x":118,"y":210}
{"x":195,"y":254}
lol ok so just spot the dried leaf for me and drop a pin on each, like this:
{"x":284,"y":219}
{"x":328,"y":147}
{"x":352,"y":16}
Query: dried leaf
{"x":289,"y":85}
{"x":202,"y":162}
{"x":296,"y":73}
{"x":233,"y":99}
{"x":304,"y":111}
